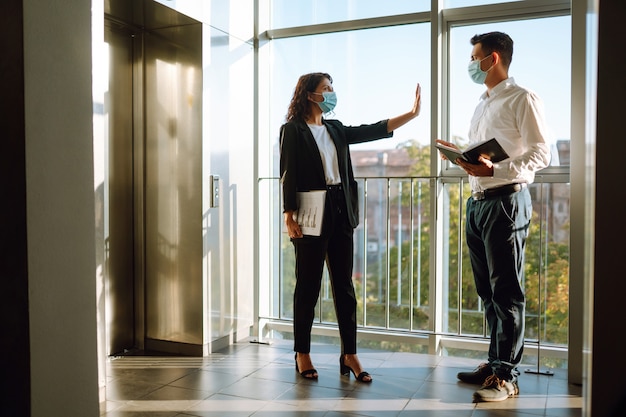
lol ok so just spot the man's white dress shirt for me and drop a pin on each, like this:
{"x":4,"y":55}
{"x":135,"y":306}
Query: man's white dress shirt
{"x":515,"y":117}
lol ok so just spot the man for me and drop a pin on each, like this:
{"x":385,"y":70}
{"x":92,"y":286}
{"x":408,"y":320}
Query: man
{"x":500,"y":208}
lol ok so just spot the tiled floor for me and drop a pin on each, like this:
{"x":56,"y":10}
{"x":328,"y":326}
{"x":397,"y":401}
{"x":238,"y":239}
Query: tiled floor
{"x":251,"y":379}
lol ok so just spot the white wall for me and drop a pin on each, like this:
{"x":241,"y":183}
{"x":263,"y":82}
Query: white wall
{"x":60,"y":213}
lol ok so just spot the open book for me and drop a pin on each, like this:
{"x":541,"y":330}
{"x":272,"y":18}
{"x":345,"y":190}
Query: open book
{"x":310,"y":211}
{"x":489,"y":149}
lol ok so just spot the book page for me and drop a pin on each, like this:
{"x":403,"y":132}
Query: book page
{"x":489,"y":149}
{"x":310,"y":211}
{"x":451,"y":153}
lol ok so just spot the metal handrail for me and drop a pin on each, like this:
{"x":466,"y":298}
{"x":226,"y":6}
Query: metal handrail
{"x":278,"y":319}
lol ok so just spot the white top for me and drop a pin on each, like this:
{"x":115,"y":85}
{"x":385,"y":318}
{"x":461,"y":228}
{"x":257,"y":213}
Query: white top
{"x":328,"y":153}
{"x":515,"y":117}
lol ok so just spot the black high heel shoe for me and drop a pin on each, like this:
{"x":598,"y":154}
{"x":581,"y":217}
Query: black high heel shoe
{"x":345,"y":371}
{"x":309,"y":373}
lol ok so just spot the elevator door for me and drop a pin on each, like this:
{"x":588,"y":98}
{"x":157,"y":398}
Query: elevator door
{"x":119,"y":186}
{"x":173,"y":187}
{"x":153,"y":179}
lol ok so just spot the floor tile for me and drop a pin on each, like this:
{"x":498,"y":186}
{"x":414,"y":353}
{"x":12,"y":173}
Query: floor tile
{"x":221,"y":405}
{"x":259,"y":379}
{"x":256,"y":389}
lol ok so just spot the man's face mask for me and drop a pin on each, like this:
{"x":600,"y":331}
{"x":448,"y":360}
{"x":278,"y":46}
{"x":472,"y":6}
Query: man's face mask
{"x":476,"y":74}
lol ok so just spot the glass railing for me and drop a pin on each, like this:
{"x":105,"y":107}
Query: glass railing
{"x":412,"y":273}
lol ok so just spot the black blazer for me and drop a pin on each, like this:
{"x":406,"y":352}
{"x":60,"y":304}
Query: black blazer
{"x":301,"y":166}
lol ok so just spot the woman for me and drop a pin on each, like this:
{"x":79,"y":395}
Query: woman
{"x":314,"y":155}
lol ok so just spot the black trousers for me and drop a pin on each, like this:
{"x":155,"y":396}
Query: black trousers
{"x":497,"y":229}
{"x":335,"y":247}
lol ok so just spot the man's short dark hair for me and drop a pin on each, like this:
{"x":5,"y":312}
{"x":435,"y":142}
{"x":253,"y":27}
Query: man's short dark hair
{"x":496,"y":42}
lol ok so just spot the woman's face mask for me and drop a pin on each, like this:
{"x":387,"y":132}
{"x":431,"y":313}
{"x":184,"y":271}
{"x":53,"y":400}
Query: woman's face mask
{"x":329,"y":102}
{"x":476,"y":74}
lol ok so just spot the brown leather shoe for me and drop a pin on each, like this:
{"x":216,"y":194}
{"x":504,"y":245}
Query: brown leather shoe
{"x":477,"y":376}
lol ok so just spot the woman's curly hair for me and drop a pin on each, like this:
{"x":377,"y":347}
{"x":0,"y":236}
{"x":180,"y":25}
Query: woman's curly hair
{"x":307,"y":83}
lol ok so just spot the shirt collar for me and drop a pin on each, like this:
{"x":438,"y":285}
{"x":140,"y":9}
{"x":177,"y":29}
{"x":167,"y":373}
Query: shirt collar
{"x":501,"y":86}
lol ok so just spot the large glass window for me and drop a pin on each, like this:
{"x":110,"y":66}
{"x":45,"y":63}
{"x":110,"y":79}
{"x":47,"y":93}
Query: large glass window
{"x":375,"y":74}
{"x":402,"y":285}
{"x":540,"y":63}
{"x":290,"y":13}
{"x":449,"y":4}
